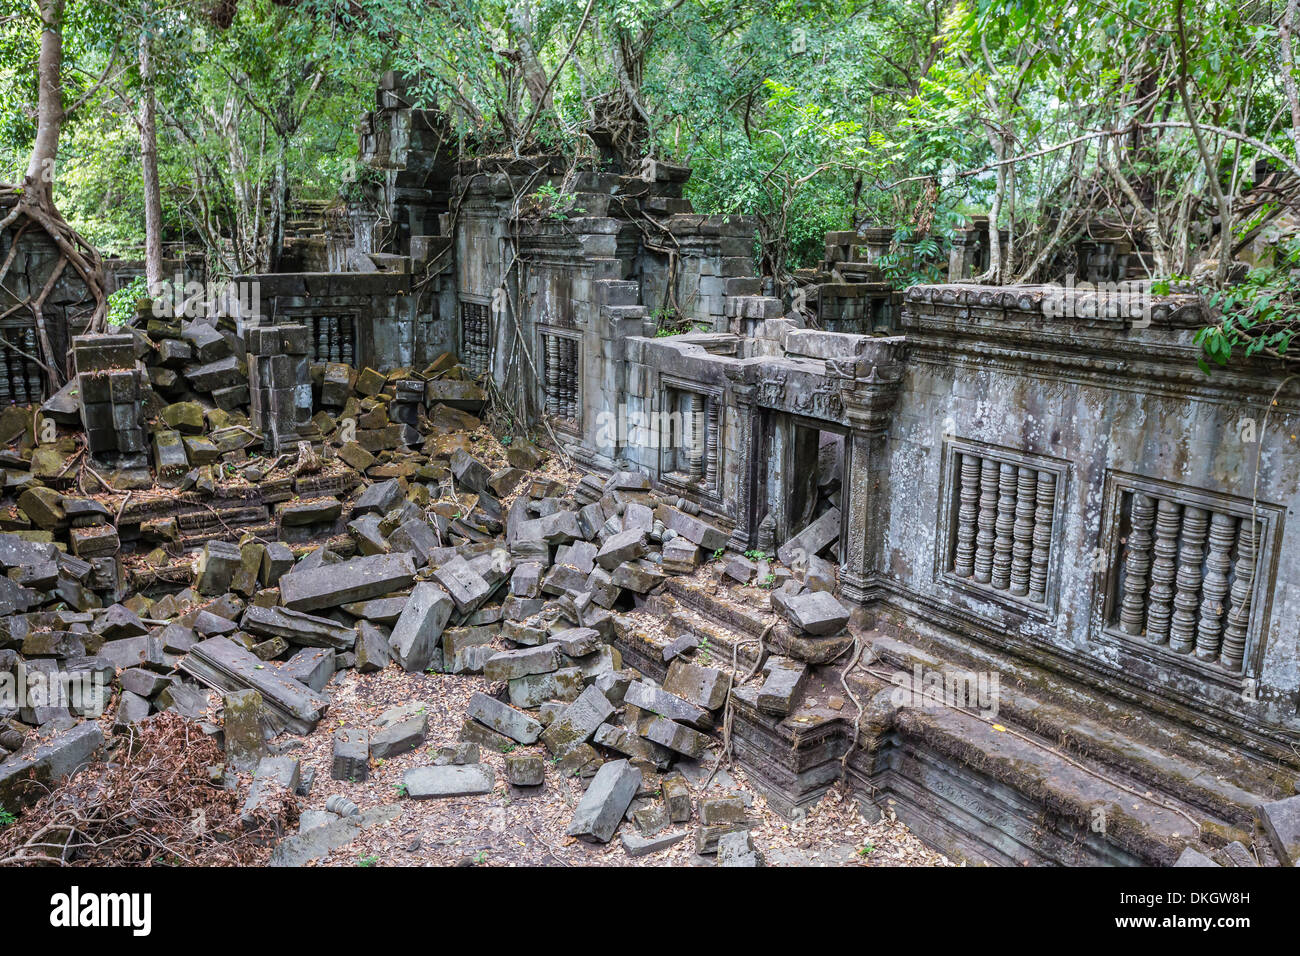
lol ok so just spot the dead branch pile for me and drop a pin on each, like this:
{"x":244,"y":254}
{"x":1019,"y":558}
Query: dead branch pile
{"x":157,"y":806}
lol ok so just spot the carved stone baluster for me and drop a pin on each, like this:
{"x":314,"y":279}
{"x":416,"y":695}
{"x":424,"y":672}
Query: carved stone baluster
{"x":1209,"y":629}
{"x":1004,"y":526}
{"x":1169,"y":519}
{"x":986,"y":520}
{"x":1137,"y":563}
{"x":1044,"y":517}
{"x":552,"y":375}
{"x":1243,"y":586}
{"x":574,"y":393}
{"x":1191,"y":554}
{"x":711,"y":449}
{"x":964,"y":555}
{"x":695,"y":451}
{"x":1023,"y":547}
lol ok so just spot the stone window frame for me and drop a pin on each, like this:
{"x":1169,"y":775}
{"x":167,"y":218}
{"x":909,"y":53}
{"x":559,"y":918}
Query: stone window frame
{"x":713,"y":395}
{"x":949,"y":504}
{"x":1105,"y":626}
{"x":18,"y":368}
{"x":569,"y":425}
{"x":308,"y":317}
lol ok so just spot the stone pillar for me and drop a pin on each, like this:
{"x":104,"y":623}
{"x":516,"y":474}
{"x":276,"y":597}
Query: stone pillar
{"x":869,"y":385}
{"x":740,"y":464}
{"x":109,"y":397}
{"x":279,"y":380}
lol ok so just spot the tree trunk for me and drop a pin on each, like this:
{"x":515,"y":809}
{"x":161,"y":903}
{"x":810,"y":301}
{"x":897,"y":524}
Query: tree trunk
{"x":149,"y":164}
{"x":38,"y":184}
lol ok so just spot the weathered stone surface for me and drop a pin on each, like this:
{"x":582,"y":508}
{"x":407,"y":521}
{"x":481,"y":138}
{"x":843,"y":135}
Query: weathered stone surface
{"x":244,"y":734}
{"x":222,"y":664}
{"x":504,"y":719}
{"x":425,"y":783}
{"x":816,"y":612}
{"x":217,"y":565}
{"x":691,"y":528}
{"x":657,"y":701}
{"x":784,"y":684}
{"x":525,"y":770}
{"x":351,"y":755}
{"x":1193,"y":857}
{"x":534,"y":690}
{"x":313,"y":666}
{"x":674,"y":736}
{"x":464,"y":585}
{"x":27,"y":776}
{"x":737,"y":849}
{"x":819,"y":533}
{"x":509,"y":665}
{"x":296,"y":627}
{"x":637,"y":576}
{"x":637,"y":845}
{"x":372,"y":648}
{"x":603,"y":806}
{"x":706,"y":687}
{"x":358,"y":579}
{"x":677,"y":797}
{"x":577,"y":722}
{"x":578,"y":641}
{"x":621,"y":548}
{"x":399,"y":737}
{"x":415,"y":635}
{"x":1281,"y":822}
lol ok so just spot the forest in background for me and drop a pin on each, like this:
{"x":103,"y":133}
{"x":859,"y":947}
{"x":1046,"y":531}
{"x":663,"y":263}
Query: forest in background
{"x":204,"y":123}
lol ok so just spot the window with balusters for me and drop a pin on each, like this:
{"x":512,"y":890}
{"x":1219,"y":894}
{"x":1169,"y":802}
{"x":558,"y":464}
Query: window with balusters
{"x":1001,"y":511}
{"x":1183,"y":569}
{"x":561,"y":378}
{"x":474,"y":331}
{"x":691,"y":443}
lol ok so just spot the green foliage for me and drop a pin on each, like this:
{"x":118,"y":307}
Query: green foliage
{"x":122,"y":303}
{"x":1258,"y":315}
{"x":6,"y":818}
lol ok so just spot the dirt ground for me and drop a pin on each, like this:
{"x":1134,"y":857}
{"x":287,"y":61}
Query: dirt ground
{"x":516,"y":826}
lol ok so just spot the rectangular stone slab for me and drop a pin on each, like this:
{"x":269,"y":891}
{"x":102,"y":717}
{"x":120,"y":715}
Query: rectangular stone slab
{"x":504,"y":719}
{"x":305,"y":630}
{"x":602,"y":807}
{"x":358,"y":579}
{"x":222,"y":664}
{"x":426,"y":783}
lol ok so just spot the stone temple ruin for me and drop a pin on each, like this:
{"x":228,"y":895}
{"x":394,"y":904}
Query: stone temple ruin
{"x":1039,"y":558}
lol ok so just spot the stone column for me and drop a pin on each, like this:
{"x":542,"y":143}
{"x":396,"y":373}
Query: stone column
{"x":740,"y":441}
{"x":869,"y":385}
{"x":279,"y":380}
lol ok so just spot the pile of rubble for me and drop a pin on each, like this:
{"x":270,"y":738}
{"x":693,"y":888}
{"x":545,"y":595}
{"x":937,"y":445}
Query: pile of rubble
{"x":396,"y":532}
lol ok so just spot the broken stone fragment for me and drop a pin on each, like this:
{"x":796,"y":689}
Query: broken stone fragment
{"x":656,"y":701}
{"x":216,"y":567}
{"x":603,"y":806}
{"x":811,"y":540}
{"x":737,"y":849}
{"x":313,"y":666}
{"x":677,"y":797}
{"x":674,"y":736}
{"x":351,"y":755}
{"x":1281,"y":822}
{"x":464,"y":585}
{"x":243,"y":731}
{"x":400,"y":737}
{"x":30,"y":774}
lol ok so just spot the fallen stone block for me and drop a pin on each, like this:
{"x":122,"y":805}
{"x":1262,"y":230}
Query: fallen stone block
{"x":313,"y":666}
{"x":351,"y":755}
{"x":577,"y":722}
{"x":465,"y":586}
{"x":332,"y":585}
{"x":426,"y":783}
{"x":417,"y":632}
{"x":737,"y":849}
{"x":634,"y":844}
{"x":296,"y":627}
{"x":509,"y":665}
{"x":525,"y":770}
{"x":222,"y":664}
{"x":704,"y":686}
{"x":534,"y":690}
{"x":243,"y":731}
{"x":674,"y":736}
{"x":504,"y":719}
{"x":814,"y":612}
{"x":657,"y":701}
{"x":698,"y":532}
{"x":400,"y":737}
{"x":784,"y":683}
{"x":27,"y":776}
{"x":603,"y":806}
{"x":1281,"y":822}
{"x":811,"y":540}
{"x":677,"y":797}
{"x":620,"y":548}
